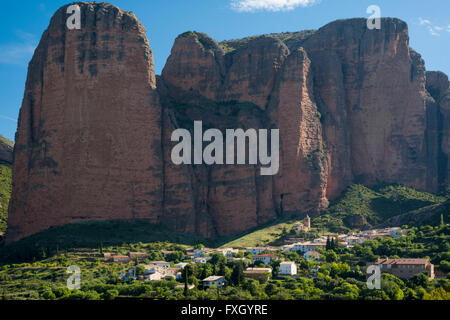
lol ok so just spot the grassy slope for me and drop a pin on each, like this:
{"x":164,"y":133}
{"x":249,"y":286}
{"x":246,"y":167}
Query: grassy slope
{"x":6,"y":141}
{"x":5,"y":188}
{"x":262,"y":236}
{"x":374,"y":206}
{"x":5,"y":193}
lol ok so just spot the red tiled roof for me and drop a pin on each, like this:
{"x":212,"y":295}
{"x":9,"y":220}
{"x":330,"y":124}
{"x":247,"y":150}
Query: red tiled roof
{"x":402,"y":261}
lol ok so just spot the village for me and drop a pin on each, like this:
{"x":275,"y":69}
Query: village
{"x":259,"y":261}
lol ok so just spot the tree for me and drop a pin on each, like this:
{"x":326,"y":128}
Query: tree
{"x":444,"y":266}
{"x":271,"y":289}
{"x":420,"y":280}
{"x":140,"y":270}
{"x":437,"y":294}
{"x":186,"y":285}
{"x":331,"y":256}
{"x":237,"y":276}
{"x":110,"y":294}
{"x":332,"y":244}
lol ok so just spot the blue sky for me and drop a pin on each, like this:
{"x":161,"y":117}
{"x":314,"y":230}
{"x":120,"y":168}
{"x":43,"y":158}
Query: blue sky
{"x":23,"y":22}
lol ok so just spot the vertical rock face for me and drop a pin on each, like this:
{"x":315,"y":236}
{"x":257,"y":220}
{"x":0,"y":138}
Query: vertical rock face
{"x":371,"y":92}
{"x":88,"y":145}
{"x":439,"y":126}
{"x":271,"y":88}
{"x":94,"y":136}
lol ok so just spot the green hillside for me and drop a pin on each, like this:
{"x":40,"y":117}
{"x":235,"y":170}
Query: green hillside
{"x":362,"y":207}
{"x":6,"y":141}
{"x":5,"y":193}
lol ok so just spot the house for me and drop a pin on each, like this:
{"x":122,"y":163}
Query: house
{"x":165,"y":253}
{"x":304,"y":226}
{"x":309,"y":245}
{"x":152,"y":275}
{"x":351,"y":239}
{"x":129,"y":275}
{"x":140,"y":256}
{"x":163,"y":264}
{"x":181,"y":265}
{"x":288,"y":268}
{"x":405,"y":268}
{"x":228,"y":252}
{"x":287,"y":248}
{"x":198,"y":253}
{"x":395,"y":232}
{"x":160,"y":269}
{"x":218,"y":281}
{"x":264,"y":258}
{"x":120,"y":258}
{"x":263,"y":274}
{"x":107,"y":256}
{"x":201,"y":259}
{"x":259,"y":250}
{"x":202,"y":252}
{"x":312,"y":256}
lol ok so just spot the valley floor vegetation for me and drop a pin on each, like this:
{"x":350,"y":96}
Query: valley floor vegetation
{"x":339,"y":274}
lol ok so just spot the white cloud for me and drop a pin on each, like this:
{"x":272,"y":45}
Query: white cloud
{"x":424,"y":21}
{"x":433,"y":29}
{"x":269,"y":5}
{"x":432,"y":32}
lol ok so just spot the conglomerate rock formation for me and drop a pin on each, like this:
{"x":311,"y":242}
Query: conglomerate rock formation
{"x":353,"y":105}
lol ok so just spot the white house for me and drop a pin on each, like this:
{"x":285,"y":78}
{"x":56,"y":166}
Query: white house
{"x":395,"y":232}
{"x":312,"y":256}
{"x":163,"y":264}
{"x":228,"y":252}
{"x":181,"y":265}
{"x":288,"y":268}
{"x":308,"y":246}
{"x":351,"y":239}
{"x":258,"y":250}
{"x":202,"y":259}
{"x":152,"y":275}
{"x":198,"y":253}
{"x":217,"y":281}
{"x":265,"y":258}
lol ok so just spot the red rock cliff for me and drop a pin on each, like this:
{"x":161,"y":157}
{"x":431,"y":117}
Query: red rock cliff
{"x":353,"y":106}
{"x":88,"y":145}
